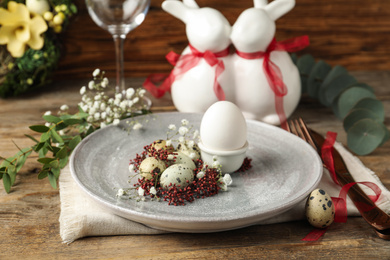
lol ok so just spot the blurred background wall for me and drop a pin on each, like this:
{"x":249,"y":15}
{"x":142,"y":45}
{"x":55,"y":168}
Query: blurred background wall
{"x":351,"y":33}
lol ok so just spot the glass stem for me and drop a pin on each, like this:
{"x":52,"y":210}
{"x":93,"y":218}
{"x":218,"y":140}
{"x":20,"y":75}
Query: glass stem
{"x":120,"y":80}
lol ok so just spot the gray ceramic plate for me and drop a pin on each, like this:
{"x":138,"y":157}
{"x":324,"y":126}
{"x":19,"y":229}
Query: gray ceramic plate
{"x":285,"y":170}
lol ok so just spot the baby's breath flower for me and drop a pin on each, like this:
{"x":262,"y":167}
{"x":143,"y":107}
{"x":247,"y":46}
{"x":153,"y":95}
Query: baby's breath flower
{"x":181,"y":139}
{"x":91,"y":84}
{"x":184,"y":122}
{"x":227,"y":179}
{"x":47,"y":124}
{"x":172,"y":127}
{"x":64,"y":107}
{"x":141,"y":192}
{"x":131,"y":168}
{"x":153,"y":190}
{"x":137,"y":126}
{"x":200,"y":174}
{"x":47,"y":113}
{"x":190,"y":144}
{"x":104,"y":83}
{"x":102,"y":125}
{"x":120,"y":193}
{"x":96,"y":72}
{"x":183,"y":130}
{"x":83,"y":90}
{"x":116,"y":121}
{"x":136,"y":99}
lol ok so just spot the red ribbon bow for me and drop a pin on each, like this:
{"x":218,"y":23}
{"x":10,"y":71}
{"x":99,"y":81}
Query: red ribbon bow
{"x":272,"y":71}
{"x":340,"y":202}
{"x":184,"y":63}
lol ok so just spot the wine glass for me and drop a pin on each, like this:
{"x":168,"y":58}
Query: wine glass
{"x":118,"y":17}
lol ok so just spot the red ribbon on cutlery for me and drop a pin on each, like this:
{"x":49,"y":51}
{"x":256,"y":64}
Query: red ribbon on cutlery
{"x":272,"y":71}
{"x":340,"y":202}
{"x":184,"y":63}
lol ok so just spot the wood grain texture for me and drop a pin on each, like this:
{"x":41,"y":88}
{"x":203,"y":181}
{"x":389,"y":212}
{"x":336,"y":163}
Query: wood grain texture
{"x":354,"y":33}
{"x":29,"y":215}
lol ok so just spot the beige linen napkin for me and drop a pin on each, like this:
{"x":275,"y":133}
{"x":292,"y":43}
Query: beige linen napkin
{"x":81,"y":216}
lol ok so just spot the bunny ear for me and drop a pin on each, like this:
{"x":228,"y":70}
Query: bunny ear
{"x":176,"y":8}
{"x":191,"y":3}
{"x":260,"y":3}
{"x":278,"y":8}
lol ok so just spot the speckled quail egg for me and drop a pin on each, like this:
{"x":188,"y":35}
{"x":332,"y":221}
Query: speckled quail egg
{"x":191,"y":151}
{"x":319,"y":209}
{"x":162,"y":144}
{"x":181,"y":158}
{"x":177,"y":174}
{"x":149,"y":166}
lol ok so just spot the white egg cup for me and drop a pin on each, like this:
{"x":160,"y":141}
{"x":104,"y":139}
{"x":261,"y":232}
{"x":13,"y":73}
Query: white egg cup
{"x":231,"y":161}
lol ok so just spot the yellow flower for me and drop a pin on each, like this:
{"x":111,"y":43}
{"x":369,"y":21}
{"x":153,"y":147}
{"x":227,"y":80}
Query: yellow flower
{"x":19,"y":29}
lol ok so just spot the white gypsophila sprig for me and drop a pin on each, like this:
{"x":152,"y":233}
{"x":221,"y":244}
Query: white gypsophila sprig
{"x":183,"y":134}
{"x":103,"y":109}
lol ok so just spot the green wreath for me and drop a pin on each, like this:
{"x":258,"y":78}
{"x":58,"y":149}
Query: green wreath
{"x":34,"y":67}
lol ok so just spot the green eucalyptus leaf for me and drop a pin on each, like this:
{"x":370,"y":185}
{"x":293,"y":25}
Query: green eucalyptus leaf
{"x":39,"y":128}
{"x":373,"y":105}
{"x":55,"y":164}
{"x":52,"y":180}
{"x":363,"y":85}
{"x":305,"y":64}
{"x":334,"y":73}
{"x":56,"y":172}
{"x":32,"y":138}
{"x":348,"y":99}
{"x":61,"y":126}
{"x":7,"y":183}
{"x":72,"y":121}
{"x":56,"y":136}
{"x":51,"y":119}
{"x":74,"y":142}
{"x":335,"y":87}
{"x":62,"y":153}
{"x":387,"y":135}
{"x":38,"y":146}
{"x":63,"y":162}
{"x":45,"y":136}
{"x":45,"y":160}
{"x":42,"y":174}
{"x":294,"y":58}
{"x":43,"y":151}
{"x":316,"y":77}
{"x":365,"y":136}
{"x":357,"y":114}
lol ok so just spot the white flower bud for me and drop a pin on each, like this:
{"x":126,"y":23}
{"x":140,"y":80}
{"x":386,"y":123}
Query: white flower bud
{"x":96,"y":72}
{"x":184,"y":122}
{"x":227,"y":179}
{"x":116,"y":121}
{"x":183,"y":130}
{"x":200,"y":174}
{"x":83,"y":89}
{"x":141,"y":192}
{"x":37,"y":6}
{"x":153,"y":190}
{"x":137,"y":126}
{"x":172,"y":127}
{"x":64,"y":107}
{"x":91,"y":84}
{"x":47,"y":113}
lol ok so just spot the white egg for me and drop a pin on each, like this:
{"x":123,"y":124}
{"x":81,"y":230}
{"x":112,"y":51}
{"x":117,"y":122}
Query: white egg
{"x":319,"y":209}
{"x":177,"y":174}
{"x":223,"y":127}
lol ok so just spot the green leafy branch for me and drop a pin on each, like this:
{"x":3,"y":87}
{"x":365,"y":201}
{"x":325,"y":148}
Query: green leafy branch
{"x":58,"y":139}
{"x":352,"y":102}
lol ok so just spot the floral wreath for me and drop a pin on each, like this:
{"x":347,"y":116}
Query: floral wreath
{"x":29,"y":45}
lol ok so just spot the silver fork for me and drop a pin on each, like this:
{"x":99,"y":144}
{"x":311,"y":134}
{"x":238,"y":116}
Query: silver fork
{"x":377,"y":218}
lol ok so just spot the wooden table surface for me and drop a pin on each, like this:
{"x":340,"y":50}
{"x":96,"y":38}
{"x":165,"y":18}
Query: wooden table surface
{"x":29,"y":215}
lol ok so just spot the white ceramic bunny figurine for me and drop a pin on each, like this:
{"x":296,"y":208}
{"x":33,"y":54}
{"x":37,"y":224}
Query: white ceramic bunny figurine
{"x":252,"y":34}
{"x":208,"y":31}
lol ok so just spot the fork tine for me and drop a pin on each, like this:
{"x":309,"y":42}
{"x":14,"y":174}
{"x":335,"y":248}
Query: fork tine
{"x":298,"y":127}
{"x":304,"y":128}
